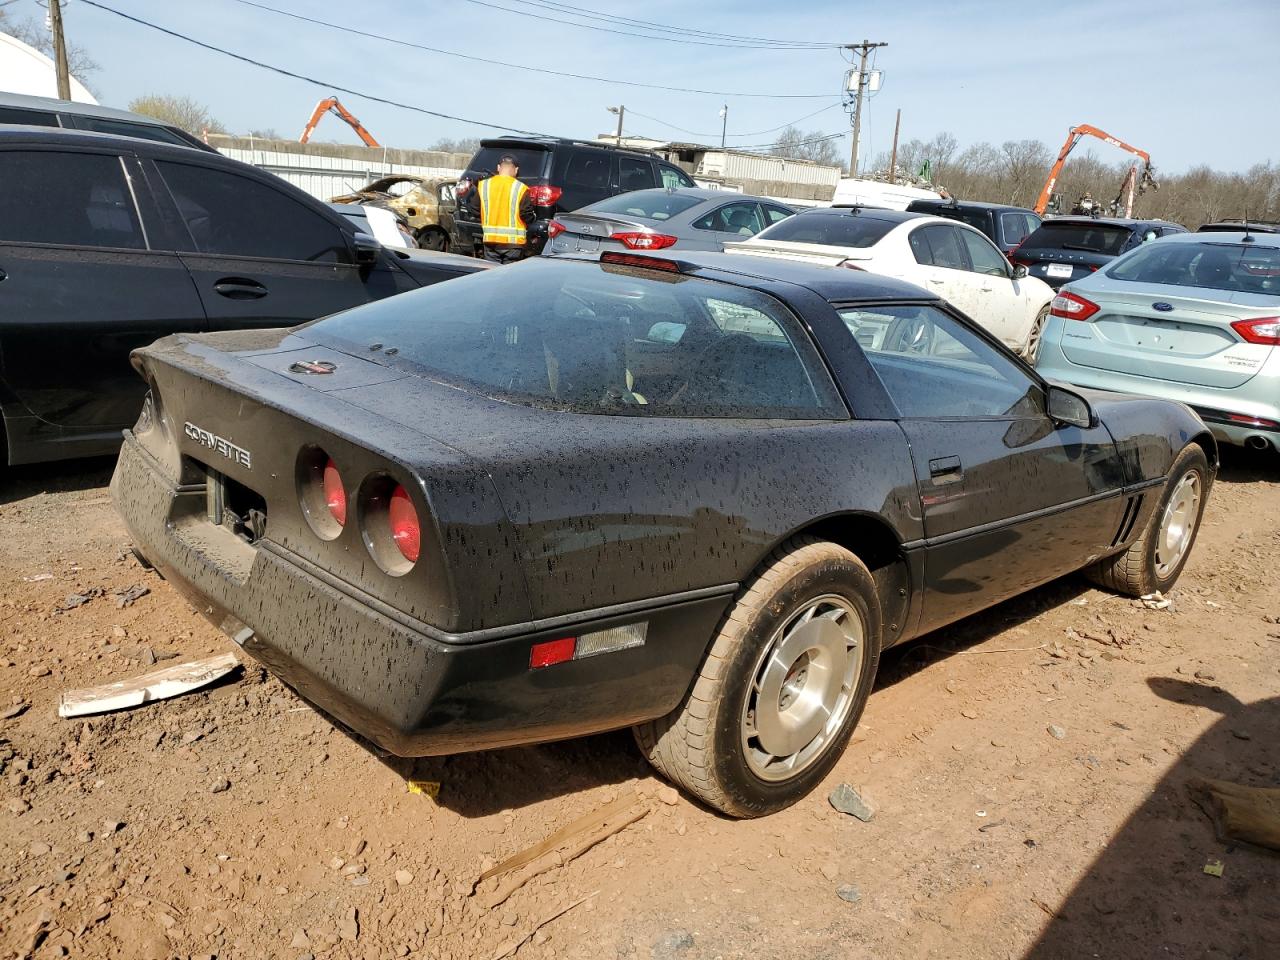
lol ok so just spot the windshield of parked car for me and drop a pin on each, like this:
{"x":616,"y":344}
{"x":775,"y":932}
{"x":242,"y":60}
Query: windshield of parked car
{"x":646,"y":204}
{"x":1106,"y":238}
{"x":846,"y":229}
{"x":586,"y":337}
{"x":1246,"y":267}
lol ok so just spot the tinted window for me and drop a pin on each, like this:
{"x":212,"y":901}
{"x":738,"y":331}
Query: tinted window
{"x":531,"y":160}
{"x":230,"y":214}
{"x":601,"y":339}
{"x":589,"y":170}
{"x":740,"y":218}
{"x":674,"y":177}
{"x":831,"y":229}
{"x":935,"y":367}
{"x":974,"y":218}
{"x":1089,"y":237}
{"x":984,"y":257}
{"x":124,"y":128}
{"x":635,"y":174}
{"x":940,"y":245}
{"x":77,"y":199}
{"x":774,"y":213}
{"x":1016,"y":227}
{"x":1250,"y":268}
{"x":30,"y":118}
{"x":647,"y":204}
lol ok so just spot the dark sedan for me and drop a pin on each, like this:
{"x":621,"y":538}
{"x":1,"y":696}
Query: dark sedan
{"x":108,"y":242}
{"x":693,"y":496}
{"x":659,"y":219}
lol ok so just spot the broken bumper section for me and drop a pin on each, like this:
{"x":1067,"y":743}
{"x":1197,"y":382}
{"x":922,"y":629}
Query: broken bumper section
{"x":399,"y":682}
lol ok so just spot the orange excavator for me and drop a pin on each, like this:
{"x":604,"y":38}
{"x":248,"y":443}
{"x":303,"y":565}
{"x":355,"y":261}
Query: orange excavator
{"x":332,"y":104}
{"x":1073,"y":138}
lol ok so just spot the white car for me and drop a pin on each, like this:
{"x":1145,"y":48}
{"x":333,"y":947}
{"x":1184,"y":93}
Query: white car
{"x":953,"y":260}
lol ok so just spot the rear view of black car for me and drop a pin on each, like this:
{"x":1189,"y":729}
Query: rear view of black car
{"x":562,"y":176}
{"x":1068,"y":248}
{"x":1006,"y":226}
{"x":109,"y":242}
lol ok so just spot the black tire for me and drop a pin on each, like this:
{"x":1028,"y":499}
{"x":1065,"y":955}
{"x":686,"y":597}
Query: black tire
{"x":433,"y":238}
{"x":1136,"y":571}
{"x":700,"y":746}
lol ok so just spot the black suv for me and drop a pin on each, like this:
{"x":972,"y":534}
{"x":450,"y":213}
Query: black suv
{"x":1068,"y":248}
{"x":563,"y":176}
{"x":107,"y":243}
{"x":1006,"y":226}
{"x":17,"y":108}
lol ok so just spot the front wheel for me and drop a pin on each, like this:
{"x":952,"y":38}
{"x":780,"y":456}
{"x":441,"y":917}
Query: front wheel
{"x":1155,"y":560}
{"x":433,"y":238}
{"x":782,"y":687}
{"x":1031,"y":350}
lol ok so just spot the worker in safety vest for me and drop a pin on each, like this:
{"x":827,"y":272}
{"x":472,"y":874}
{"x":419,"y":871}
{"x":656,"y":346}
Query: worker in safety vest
{"x":504,"y":208}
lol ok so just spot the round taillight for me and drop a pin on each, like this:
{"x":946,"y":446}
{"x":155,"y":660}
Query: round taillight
{"x":335,"y":495}
{"x":403,"y":521}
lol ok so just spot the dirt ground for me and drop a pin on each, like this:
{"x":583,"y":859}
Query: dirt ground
{"x":238,"y":823}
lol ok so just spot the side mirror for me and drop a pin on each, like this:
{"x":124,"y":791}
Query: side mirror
{"x":368,"y":249}
{"x":1020,"y":271}
{"x":1065,"y":407}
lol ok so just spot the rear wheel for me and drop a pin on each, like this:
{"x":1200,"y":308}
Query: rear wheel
{"x":1155,"y":560}
{"x":1032,"y":348}
{"x":782,"y":687}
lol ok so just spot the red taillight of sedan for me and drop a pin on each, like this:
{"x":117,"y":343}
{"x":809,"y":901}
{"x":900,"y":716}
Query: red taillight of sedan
{"x":1070,"y":306}
{"x":554,"y":229}
{"x":1262,"y":330}
{"x":402,"y":518}
{"x":639,"y":240}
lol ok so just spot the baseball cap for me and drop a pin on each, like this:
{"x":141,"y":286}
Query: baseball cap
{"x":508,"y":158}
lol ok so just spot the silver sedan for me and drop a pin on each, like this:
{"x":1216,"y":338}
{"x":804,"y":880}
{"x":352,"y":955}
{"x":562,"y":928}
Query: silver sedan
{"x":658,"y":219}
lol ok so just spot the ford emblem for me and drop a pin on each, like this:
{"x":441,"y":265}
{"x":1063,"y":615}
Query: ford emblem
{"x":1162,"y":306}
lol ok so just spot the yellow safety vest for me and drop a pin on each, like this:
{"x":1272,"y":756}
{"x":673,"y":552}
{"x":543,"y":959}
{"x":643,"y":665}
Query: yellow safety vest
{"x":500,"y":199}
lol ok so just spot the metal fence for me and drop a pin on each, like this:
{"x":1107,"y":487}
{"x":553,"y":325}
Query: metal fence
{"x":325,"y":177}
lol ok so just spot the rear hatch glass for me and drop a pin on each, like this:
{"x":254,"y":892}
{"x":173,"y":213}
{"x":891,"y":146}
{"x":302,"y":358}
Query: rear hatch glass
{"x":532,"y":161}
{"x":1096,"y":238}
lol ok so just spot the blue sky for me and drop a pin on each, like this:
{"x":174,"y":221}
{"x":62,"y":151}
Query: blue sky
{"x":1180,"y":79}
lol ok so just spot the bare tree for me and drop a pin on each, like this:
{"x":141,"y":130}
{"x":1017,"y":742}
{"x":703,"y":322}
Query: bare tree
{"x":180,"y":111}
{"x":465,"y":145}
{"x":34,"y":34}
{"x":797,"y":144}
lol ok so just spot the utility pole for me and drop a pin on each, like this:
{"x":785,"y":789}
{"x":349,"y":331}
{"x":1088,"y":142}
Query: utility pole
{"x":724,"y":116}
{"x":893,"y":157}
{"x":621,"y":111}
{"x":863,"y":50}
{"x":59,"y":50}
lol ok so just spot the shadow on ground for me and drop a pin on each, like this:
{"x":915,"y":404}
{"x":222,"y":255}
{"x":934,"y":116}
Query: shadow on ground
{"x":1147,"y":895}
{"x":60,"y":476}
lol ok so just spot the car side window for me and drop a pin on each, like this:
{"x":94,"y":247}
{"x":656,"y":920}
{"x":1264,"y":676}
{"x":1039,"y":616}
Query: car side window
{"x":741,"y":218}
{"x":143,"y":131}
{"x":29,"y":118}
{"x":933,"y":366}
{"x":588,"y":169}
{"x":238,"y":216}
{"x":635,"y":174}
{"x":71,"y":199}
{"x":944,"y":245}
{"x":983,"y":255}
{"x":673,"y":178}
{"x":1015,"y":226}
{"x":774,"y":213}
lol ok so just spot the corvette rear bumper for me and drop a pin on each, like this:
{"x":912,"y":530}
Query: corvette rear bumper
{"x":400,"y":682}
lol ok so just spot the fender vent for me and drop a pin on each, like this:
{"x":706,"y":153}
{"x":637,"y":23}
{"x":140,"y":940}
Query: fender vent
{"x":1131,"y":510}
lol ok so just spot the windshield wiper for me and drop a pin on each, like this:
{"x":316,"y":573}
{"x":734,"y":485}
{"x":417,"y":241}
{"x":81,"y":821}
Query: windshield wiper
{"x":1081,"y":246}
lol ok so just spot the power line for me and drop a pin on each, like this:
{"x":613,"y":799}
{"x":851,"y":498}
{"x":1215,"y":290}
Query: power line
{"x":754,"y":133}
{"x":651,"y":25}
{"x":518,"y":66}
{"x":642,"y":36}
{"x":304,"y":77}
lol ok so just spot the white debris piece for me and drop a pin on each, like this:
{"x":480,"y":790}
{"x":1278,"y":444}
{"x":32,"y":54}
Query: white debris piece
{"x":156,"y":685}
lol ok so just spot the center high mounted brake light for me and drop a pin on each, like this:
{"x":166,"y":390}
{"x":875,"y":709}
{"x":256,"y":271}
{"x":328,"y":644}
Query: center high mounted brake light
{"x":635,"y":260}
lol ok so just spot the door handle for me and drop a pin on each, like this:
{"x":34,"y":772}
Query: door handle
{"x":945,"y":470}
{"x":936,"y":280}
{"x":238,"y":288}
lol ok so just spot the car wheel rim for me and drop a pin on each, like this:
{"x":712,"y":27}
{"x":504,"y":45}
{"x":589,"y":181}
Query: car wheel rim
{"x":1178,"y":524}
{"x":1033,"y":340}
{"x":802,"y":688}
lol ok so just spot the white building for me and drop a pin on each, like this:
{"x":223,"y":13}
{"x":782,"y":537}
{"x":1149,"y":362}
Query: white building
{"x":24,"y":69}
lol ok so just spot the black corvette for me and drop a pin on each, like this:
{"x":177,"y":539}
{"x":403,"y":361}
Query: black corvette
{"x":696,"y":496}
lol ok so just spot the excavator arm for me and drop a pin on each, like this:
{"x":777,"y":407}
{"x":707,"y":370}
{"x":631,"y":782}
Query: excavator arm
{"x":1073,"y":137}
{"x":332,"y":104}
